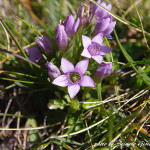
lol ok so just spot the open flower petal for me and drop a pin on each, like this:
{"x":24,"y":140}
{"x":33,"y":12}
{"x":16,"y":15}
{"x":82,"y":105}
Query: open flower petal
{"x":105,"y":49}
{"x":66,"y":65}
{"x":61,"y":81}
{"x":98,"y":58}
{"x":87,"y":81}
{"x":98,"y":39}
{"x":86,"y":53}
{"x":73,"y":90}
{"x":86,"y":41}
{"x":82,"y":66}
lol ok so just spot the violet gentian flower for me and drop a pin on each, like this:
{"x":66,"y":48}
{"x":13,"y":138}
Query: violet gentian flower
{"x":94,"y":48}
{"x":34,"y":54}
{"x":103,"y":71}
{"x":53,"y":71}
{"x":44,"y":44}
{"x":105,"y":26}
{"x":83,"y":14}
{"x":101,"y":13}
{"x":61,"y":37}
{"x":71,"y":25}
{"x":74,"y":76}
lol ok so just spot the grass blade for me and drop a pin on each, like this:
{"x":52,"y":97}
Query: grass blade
{"x":16,"y":42}
{"x":18,"y":56}
{"x":139,"y":72}
{"x":29,"y":25}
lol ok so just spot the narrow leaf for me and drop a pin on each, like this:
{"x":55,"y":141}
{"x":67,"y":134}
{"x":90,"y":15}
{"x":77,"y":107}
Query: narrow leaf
{"x":139,"y":72}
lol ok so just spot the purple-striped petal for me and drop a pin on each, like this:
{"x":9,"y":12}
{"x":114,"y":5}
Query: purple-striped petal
{"x":98,"y":39}
{"x":61,"y":81}
{"x":86,"y":41}
{"x":105,"y":50}
{"x":73,"y":90}
{"x":86,"y":53}
{"x":82,"y":66}
{"x":98,"y":58}
{"x":66,"y":65}
{"x":87,"y":81}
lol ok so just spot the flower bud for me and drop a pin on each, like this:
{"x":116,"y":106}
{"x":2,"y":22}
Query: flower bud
{"x":71,"y":25}
{"x":103,"y":71}
{"x":83,"y":14}
{"x":105,"y":26}
{"x":61,"y":37}
{"x":101,"y":13}
{"x":44,"y":44}
{"x":34,"y":54}
{"x":53,"y":71}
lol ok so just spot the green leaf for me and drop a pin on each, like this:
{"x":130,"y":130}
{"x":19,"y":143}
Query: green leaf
{"x":139,"y":72}
{"x":29,"y":82}
{"x":67,"y":140}
{"x":57,"y":104}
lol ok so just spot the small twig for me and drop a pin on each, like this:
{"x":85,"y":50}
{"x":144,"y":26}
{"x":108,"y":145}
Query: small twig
{"x":126,"y":127}
{"x":18,"y":126}
{"x":17,"y":51}
{"x":141,"y":25}
{"x":142,"y":126}
{"x":18,"y":56}
{"x":6,"y":110}
{"x":25,"y":129}
{"x":89,"y":136}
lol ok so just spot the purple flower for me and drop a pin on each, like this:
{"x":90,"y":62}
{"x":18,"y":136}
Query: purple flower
{"x":74,"y":76}
{"x":101,"y":13}
{"x":105,"y":26}
{"x":103,"y":71}
{"x":44,"y":44}
{"x":94,"y":48}
{"x":61,"y":37}
{"x":83,"y":14}
{"x":53,"y":71}
{"x":95,"y":8}
{"x":34,"y":54}
{"x":71,"y":25}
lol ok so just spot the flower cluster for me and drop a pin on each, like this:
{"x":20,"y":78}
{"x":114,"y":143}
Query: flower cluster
{"x":75,"y":76}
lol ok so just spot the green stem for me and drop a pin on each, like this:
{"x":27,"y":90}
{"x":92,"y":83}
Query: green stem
{"x":29,"y":26}
{"x":99,"y":91}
